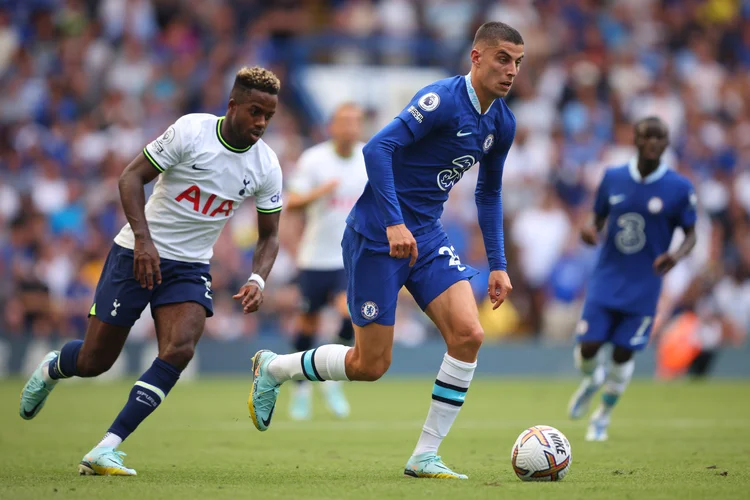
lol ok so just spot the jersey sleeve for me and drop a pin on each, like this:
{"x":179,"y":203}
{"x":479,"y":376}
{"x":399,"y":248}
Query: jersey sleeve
{"x":169,"y":149}
{"x":489,"y":201}
{"x":304,"y":179}
{"x":688,"y":214}
{"x":268,"y":196}
{"x":601,"y":202}
{"x":430,"y":107}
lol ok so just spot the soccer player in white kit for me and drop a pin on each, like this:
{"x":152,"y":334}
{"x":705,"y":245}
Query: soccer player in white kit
{"x":207,"y":166}
{"x":329,"y":179}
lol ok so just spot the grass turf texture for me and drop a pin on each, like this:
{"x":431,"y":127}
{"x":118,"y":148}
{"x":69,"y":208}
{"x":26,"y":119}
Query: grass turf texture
{"x":676,"y":440}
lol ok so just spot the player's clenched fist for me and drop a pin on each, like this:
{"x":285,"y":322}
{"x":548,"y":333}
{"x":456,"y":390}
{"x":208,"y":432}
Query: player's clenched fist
{"x":498,"y":287}
{"x":589,"y":235}
{"x":146,"y":263}
{"x":251,"y":296}
{"x":402,"y":243}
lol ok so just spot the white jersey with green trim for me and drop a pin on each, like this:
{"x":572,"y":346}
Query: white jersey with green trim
{"x":202,"y":181}
{"x":320,"y":248}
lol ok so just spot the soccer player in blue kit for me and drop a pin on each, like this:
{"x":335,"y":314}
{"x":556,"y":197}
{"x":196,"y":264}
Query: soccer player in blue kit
{"x":640,"y":204}
{"x":394,"y":238}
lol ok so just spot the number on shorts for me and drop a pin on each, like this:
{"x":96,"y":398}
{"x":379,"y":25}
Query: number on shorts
{"x":638,"y":337}
{"x":454,"y":259}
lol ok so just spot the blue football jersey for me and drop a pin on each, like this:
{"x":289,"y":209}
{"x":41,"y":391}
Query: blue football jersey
{"x":642,"y":215}
{"x":450,"y":135}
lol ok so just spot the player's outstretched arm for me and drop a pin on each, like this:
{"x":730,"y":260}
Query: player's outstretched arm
{"x":263,"y":258}
{"x":136,"y":175}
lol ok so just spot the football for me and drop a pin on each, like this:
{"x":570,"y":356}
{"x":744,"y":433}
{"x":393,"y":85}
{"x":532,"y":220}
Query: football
{"x":541,"y":453}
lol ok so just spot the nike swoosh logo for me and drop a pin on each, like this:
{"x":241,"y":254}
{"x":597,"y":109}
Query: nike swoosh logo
{"x":30,"y":414}
{"x":267,"y":421}
{"x":617,"y":198}
{"x":196,"y":168}
{"x":142,"y":401}
{"x":461,"y":133}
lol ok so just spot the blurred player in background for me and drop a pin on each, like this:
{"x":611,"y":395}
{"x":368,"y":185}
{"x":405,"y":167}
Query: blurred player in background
{"x":207,"y":166}
{"x":640,"y":204}
{"x":394,"y":238}
{"x":328,"y":180}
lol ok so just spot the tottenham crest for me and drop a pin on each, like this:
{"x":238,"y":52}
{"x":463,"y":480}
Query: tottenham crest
{"x":429,"y":102}
{"x":369,"y":310}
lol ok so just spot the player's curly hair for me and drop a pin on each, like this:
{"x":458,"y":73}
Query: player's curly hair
{"x":256,"y":78}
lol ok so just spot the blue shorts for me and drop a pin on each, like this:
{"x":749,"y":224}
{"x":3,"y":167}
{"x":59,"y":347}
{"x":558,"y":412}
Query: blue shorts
{"x":374,"y":278}
{"x":601,"y":324}
{"x":120,"y":300}
{"x":318,"y":288}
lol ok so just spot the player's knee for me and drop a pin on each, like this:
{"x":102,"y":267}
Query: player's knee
{"x":621,"y":355}
{"x":468,"y":338}
{"x":589,"y":349}
{"x":179,"y":354}
{"x":372,"y":370}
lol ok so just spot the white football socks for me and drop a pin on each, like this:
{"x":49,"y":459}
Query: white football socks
{"x":618,"y":378}
{"x":327,"y":362}
{"x":110,"y":440}
{"x":448,"y":395}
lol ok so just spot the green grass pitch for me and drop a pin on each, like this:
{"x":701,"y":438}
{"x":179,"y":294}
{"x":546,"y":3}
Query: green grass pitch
{"x":677,"y":440}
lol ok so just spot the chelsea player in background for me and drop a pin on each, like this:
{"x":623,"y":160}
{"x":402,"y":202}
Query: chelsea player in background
{"x":641,"y":204}
{"x":394,"y":238}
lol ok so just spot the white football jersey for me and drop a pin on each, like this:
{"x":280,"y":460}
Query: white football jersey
{"x":203,"y":180}
{"x":320,"y":248}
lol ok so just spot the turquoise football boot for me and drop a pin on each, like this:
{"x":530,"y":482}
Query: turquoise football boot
{"x":104,"y":461}
{"x":598,"y":425}
{"x":430,"y":465}
{"x":580,"y":402}
{"x":36,"y":390}
{"x":265,"y":390}
{"x":335,"y":398}
{"x":301,"y":406}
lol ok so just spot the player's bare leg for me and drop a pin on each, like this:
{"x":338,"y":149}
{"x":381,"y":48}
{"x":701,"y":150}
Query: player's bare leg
{"x":618,"y":377}
{"x":178,"y":329}
{"x":87,"y":358}
{"x":367,"y":361}
{"x":585,"y":355}
{"x":455,"y":314}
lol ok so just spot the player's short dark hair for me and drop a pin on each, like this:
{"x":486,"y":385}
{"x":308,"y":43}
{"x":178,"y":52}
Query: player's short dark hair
{"x":256,"y":78}
{"x":495,"y":32}
{"x":652,"y":120}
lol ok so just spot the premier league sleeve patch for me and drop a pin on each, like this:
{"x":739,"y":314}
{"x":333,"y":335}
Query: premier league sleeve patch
{"x":429,"y":102}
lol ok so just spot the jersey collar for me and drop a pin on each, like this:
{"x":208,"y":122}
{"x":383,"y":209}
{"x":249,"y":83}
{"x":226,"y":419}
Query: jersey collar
{"x":652,"y":177}
{"x":473,"y":96}
{"x":225,"y":143}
